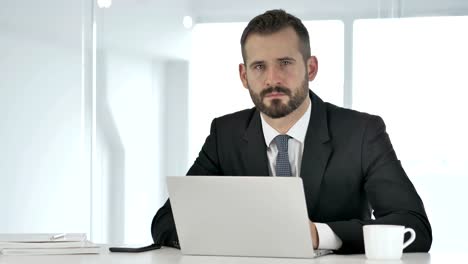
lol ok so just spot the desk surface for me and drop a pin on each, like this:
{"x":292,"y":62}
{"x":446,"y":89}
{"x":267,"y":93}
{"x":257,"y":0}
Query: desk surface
{"x":173,"y":256}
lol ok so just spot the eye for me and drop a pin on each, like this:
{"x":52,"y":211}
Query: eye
{"x":285,"y":62}
{"x":259,"y":67}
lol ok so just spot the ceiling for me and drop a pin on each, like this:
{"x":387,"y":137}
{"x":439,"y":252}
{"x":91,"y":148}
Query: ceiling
{"x":155,"y":27}
{"x":212,"y":10}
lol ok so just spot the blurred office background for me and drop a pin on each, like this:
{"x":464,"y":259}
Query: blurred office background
{"x":99,"y":103}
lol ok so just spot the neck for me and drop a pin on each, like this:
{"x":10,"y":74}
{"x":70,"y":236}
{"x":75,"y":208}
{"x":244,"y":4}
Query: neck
{"x":283,"y":124}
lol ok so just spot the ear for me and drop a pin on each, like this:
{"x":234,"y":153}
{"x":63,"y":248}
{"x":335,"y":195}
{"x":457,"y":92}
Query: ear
{"x":312,"y":68}
{"x":243,"y":74}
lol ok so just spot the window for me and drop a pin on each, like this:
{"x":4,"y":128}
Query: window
{"x":412,"y":72}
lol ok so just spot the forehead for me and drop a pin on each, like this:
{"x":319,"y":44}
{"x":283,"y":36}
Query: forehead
{"x":284,"y":43}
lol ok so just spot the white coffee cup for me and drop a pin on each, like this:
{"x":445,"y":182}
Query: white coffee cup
{"x":386,"y":241}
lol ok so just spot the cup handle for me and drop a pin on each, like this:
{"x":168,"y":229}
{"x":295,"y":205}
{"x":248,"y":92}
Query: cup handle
{"x":412,"y":237}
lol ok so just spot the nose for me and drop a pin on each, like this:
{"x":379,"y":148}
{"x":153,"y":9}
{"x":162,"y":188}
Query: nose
{"x":273,"y":77}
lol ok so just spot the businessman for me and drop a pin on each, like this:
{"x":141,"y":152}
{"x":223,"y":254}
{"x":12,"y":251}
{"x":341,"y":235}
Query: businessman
{"x":344,"y":157}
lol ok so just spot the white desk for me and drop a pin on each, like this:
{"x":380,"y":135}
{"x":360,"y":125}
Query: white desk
{"x":173,"y":256}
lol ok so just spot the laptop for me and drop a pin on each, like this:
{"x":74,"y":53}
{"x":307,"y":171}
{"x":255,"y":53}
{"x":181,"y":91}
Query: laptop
{"x":241,"y":216}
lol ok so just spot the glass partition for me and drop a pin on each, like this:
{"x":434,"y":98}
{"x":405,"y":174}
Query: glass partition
{"x":44,"y":181}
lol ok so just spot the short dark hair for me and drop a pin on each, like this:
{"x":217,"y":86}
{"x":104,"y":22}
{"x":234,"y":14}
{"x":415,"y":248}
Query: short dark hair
{"x":273,"y":21}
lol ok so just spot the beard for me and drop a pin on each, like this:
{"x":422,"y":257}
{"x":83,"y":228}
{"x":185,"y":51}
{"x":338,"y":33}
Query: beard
{"x":277,"y":108}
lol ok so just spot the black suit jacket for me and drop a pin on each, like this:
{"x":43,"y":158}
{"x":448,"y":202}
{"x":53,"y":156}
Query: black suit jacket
{"x":349,"y":168}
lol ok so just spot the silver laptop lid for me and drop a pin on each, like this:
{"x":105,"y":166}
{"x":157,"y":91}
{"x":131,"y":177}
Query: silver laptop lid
{"x":241,"y":216}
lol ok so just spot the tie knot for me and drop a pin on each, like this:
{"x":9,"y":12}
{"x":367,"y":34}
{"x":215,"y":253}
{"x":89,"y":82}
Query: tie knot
{"x":282,"y":143}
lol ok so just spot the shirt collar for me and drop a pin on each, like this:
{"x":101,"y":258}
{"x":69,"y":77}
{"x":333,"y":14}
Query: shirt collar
{"x":297,"y":131}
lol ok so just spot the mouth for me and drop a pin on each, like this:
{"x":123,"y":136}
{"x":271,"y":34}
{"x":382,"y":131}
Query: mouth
{"x":274,"y":95}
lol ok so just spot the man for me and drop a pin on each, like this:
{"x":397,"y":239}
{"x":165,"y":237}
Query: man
{"x":344,"y":157}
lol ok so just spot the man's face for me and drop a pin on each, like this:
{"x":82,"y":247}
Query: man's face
{"x":275,"y":73}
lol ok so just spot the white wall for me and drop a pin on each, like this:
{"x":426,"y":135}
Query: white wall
{"x":141,"y":137}
{"x":128,"y":162}
{"x":176,"y":115}
{"x":140,"y":114}
{"x":42,"y":185}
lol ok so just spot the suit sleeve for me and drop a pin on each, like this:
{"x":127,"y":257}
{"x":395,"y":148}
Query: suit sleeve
{"x":163,"y":228}
{"x":391,"y":194}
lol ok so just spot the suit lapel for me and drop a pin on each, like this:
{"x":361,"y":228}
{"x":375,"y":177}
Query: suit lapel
{"x":317,"y":151}
{"x":254,"y":149}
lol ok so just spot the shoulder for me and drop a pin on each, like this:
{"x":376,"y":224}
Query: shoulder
{"x":344,"y":118}
{"x":236,"y":120}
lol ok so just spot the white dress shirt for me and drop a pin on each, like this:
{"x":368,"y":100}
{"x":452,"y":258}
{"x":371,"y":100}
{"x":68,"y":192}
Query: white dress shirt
{"x":327,"y":238}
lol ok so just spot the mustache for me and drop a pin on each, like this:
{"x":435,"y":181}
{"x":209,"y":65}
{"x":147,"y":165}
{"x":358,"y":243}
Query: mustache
{"x":278,"y":89}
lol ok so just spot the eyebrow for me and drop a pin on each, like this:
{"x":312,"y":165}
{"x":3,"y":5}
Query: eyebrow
{"x":286,"y":58}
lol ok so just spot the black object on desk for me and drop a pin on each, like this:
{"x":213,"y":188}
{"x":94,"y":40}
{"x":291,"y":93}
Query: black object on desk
{"x":134,"y":250}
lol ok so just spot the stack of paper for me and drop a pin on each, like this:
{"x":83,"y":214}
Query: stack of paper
{"x":46,"y":244}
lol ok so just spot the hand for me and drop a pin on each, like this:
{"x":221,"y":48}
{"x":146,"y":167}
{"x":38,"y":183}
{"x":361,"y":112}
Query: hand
{"x":314,"y":234}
